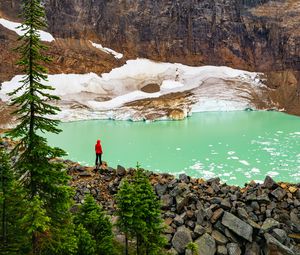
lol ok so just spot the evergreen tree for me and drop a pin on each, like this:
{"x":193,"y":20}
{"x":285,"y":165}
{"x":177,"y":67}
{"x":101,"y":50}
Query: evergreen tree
{"x":36,"y":223}
{"x":5,"y":188}
{"x":139,"y":214}
{"x":86,"y":243}
{"x":43,"y":177}
{"x":147,"y":222}
{"x":13,"y":239}
{"x":94,"y":220}
{"x":125,"y":210}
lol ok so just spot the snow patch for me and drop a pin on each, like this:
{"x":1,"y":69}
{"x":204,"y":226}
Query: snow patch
{"x":15,"y":26}
{"x":117,"y":55}
{"x":89,"y":96}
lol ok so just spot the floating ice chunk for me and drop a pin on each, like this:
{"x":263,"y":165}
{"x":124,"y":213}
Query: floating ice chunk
{"x":272,"y":173}
{"x":255,"y":170}
{"x":244,"y":162}
{"x":231,"y":152}
{"x":178,"y":149}
{"x":259,"y":181}
{"x":196,"y":166}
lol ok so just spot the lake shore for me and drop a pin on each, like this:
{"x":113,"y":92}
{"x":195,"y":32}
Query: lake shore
{"x":219,"y":218}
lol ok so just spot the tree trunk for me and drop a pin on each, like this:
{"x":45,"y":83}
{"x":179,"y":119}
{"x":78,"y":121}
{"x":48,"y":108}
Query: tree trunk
{"x":137,"y":245}
{"x":126,"y":244}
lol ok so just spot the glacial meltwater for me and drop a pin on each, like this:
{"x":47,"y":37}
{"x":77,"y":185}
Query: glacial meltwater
{"x":236,"y":146}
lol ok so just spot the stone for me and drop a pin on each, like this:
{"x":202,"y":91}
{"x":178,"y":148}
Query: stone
{"x":231,"y":236}
{"x":178,"y":220}
{"x":172,"y":252}
{"x":252,"y":249}
{"x":253,"y":224}
{"x":121,"y":171}
{"x":293,"y":189}
{"x":216,"y":215}
{"x":199,"y":230}
{"x":206,"y":245}
{"x":279,"y":193}
{"x":215,"y":200}
{"x":226,"y":204}
{"x":269,"y":183}
{"x":215,"y":187}
{"x":269,"y":224}
{"x":264,"y":198}
{"x":297,"y":193}
{"x":181,"y":238}
{"x":209,"y":213}
{"x":296,"y":203}
{"x":213,"y":180}
{"x":200,"y":215}
{"x":222,"y":250}
{"x":85,"y":174}
{"x":280,"y":235}
{"x":181,"y":201}
{"x":166,"y":201}
{"x":184,"y":178}
{"x":190,"y":224}
{"x":255,"y":205}
{"x":161,"y":189}
{"x":242,"y":213}
{"x":233,"y":249}
{"x":238,"y":226}
{"x":274,"y":244}
{"x":219,"y":237}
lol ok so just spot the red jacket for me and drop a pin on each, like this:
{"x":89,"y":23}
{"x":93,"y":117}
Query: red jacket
{"x":98,"y":147}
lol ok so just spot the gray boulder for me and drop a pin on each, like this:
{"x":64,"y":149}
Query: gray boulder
{"x":206,"y":245}
{"x":280,"y":235}
{"x":181,"y":238}
{"x":219,"y":237}
{"x":279,"y":193}
{"x":222,"y":250}
{"x":238,"y":226}
{"x":269,"y":224}
{"x":275,"y":245}
{"x":269,"y":183}
{"x":233,"y":249}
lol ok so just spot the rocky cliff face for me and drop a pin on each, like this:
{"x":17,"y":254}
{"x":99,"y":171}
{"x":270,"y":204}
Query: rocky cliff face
{"x":257,"y":35}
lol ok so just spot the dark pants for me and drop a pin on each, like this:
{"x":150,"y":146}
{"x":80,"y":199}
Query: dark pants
{"x":98,"y":156}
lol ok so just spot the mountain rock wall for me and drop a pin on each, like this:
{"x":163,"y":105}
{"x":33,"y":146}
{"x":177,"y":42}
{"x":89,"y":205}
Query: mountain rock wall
{"x":257,"y":35}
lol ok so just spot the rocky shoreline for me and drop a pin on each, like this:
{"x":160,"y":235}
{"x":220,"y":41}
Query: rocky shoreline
{"x":220,"y":219}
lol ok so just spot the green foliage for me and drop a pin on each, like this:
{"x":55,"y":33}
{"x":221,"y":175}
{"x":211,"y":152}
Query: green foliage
{"x":139,"y":214}
{"x":193,"y":247}
{"x":86,"y":243}
{"x":94,"y":220}
{"x":45,"y":181}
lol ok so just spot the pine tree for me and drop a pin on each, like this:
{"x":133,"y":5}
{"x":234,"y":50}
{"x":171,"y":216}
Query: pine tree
{"x":86,"y":243}
{"x":5,"y":188}
{"x":125,"y":210}
{"x":12,"y":203}
{"x":98,"y":225}
{"x":139,"y":214}
{"x":147,"y":222}
{"x":32,"y":100}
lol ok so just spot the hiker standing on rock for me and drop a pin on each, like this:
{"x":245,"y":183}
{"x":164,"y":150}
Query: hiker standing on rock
{"x":98,"y":150}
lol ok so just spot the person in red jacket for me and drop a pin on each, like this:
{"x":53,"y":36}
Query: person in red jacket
{"x":98,"y":150}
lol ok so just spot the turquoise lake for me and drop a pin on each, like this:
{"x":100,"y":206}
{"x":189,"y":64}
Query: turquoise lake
{"x":236,"y":146}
